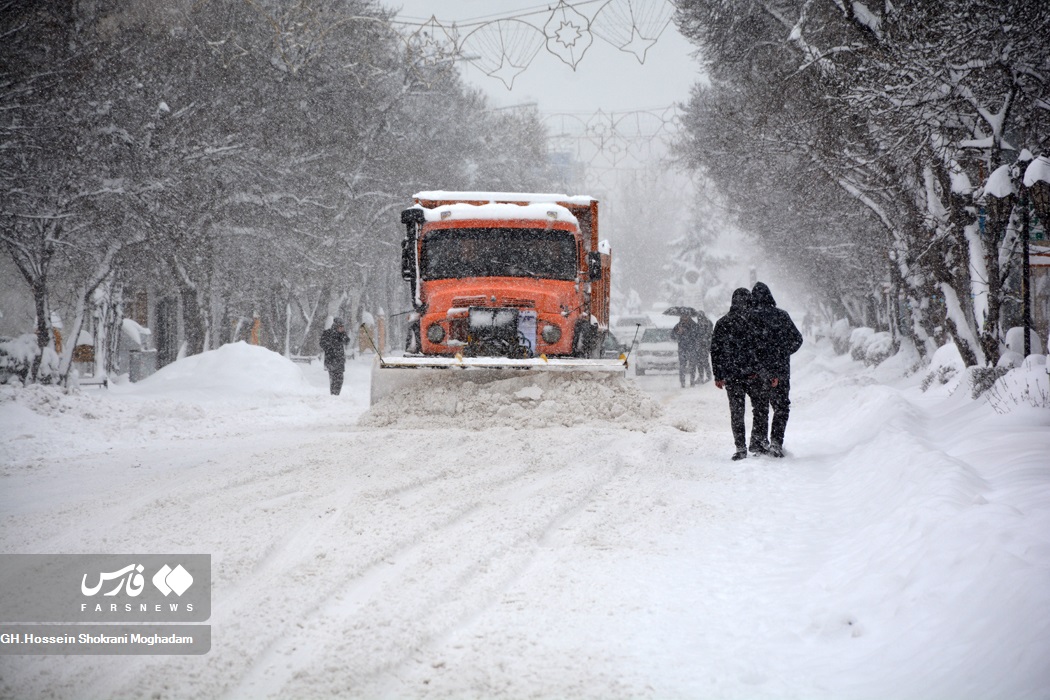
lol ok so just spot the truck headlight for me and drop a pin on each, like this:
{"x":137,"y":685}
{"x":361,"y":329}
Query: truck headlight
{"x":435,"y":333}
{"x":551,"y":334}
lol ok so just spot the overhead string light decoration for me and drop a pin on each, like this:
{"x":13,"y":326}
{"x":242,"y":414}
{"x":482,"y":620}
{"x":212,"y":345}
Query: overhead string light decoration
{"x":646,"y":20}
{"x":636,"y":134}
{"x":505,"y":47}
{"x":568,"y":34}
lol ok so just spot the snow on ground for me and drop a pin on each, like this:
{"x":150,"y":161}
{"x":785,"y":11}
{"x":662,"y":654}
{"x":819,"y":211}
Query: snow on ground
{"x":477,"y":542}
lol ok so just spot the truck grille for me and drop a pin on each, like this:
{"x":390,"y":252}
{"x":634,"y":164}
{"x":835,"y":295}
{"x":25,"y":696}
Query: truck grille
{"x":460,"y":302}
{"x":519,"y":303}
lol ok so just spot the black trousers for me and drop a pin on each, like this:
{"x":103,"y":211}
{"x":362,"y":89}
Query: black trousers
{"x":703,"y":364}
{"x":335,"y":380}
{"x":686,"y":365}
{"x":781,"y":404}
{"x":738,"y":390}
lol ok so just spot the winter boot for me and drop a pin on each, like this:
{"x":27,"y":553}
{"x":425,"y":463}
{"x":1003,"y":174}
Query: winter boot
{"x":759,"y":447}
{"x":740,"y":453}
{"x":776,"y":450}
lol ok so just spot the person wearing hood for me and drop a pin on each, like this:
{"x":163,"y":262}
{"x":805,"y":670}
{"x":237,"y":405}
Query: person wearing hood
{"x":734,"y":363}
{"x":333,"y":343}
{"x":777,"y":340}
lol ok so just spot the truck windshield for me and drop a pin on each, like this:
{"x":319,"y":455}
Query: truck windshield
{"x":498,"y":252}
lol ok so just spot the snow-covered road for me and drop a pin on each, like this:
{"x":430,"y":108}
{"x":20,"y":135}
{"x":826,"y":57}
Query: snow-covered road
{"x":901,"y":550}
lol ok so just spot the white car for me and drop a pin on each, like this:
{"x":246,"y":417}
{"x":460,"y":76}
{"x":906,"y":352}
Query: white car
{"x":624,"y":322}
{"x":657,"y":351}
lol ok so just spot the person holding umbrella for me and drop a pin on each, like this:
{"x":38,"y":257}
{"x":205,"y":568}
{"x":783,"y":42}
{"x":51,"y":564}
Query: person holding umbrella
{"x":687,"y":334}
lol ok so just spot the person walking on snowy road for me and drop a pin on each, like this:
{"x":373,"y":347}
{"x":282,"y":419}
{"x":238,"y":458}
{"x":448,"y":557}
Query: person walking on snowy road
{"x":333,"y":343}
{"x":687,"y":333}
{"x":734,"y":363}
{"x":777,"y":340}
{"x":703,"y":363}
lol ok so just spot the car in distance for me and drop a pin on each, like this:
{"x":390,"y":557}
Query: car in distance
{"x":657,"y":351}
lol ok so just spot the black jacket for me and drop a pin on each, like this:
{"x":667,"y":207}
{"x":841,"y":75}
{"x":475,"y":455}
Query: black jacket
{"x":687,"y":334}
{"x":776,"y":335}
{"x":733,"y":342}
{"x":333,"y":343}
{"x":706,"y":328}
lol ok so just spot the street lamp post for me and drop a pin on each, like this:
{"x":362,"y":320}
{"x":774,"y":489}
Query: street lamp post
{"x":1036,"y":183}
{"x":1026,"y":272}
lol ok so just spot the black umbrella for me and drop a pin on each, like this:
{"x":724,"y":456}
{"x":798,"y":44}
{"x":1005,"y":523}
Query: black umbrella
{"x":681,"y":311}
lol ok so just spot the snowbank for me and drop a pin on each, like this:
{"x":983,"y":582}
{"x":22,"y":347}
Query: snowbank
{"x":528,"y":400}
{"x":233,"y":370}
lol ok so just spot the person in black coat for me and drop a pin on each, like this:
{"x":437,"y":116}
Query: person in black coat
{"x":777,"y":340}
{"x":687,"y":333}
{"x":333,"y":343}
{"x":734,"y":363}
{"x":703,"y":367}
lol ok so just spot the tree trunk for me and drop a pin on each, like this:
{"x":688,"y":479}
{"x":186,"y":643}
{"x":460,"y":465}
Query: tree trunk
{"x":43,"y":324}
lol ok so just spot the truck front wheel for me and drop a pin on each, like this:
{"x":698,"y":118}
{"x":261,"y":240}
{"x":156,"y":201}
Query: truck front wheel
{"x":585,"y":340}
{"x":413,"y":341}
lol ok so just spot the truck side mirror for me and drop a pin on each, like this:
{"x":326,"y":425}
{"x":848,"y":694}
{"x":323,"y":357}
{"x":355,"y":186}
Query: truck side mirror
{"x":408,"y":260}
{"x":594,"y":265}
{"x":413,"y":215}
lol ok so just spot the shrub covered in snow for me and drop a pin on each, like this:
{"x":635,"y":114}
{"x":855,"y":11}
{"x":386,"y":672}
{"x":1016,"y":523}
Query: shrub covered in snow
{"x":1015,"y":341}
{"x":945,"y":365}
{"x":870,"y":347}
{"x":17,"y":356}
{"x":858,"y":342}
{"x":839,"y":335}
{"x":983,"y":378}
{"x":1025,"y":385}
{"x":880,"y":347}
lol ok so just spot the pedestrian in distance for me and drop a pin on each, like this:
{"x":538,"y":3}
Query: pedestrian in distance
{"x":703,"y":363}
{"x":777,"y":340}
{"x":333,"y":343}
{"x":734,"y":363}
{"x":687,"y":334}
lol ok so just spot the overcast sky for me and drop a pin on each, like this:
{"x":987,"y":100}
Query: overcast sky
{"x":605,"y":77}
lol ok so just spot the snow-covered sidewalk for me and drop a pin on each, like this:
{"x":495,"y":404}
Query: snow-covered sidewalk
{"x":486,"y":544}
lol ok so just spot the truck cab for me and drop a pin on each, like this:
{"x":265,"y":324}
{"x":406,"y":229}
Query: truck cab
{"x":506,"y":275}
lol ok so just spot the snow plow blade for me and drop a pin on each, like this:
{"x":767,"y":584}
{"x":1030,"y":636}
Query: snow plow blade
{"x":391,"y":373}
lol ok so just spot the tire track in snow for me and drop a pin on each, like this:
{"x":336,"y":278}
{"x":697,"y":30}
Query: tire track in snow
{"x":473,"y":563}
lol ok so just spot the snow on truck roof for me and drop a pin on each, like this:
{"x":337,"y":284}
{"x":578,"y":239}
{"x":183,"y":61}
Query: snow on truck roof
{"x":523,"y":197}
{"x":500,"y":212}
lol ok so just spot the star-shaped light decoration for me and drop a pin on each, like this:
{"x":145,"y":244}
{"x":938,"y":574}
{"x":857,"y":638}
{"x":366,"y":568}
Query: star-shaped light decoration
{"x":506,"y":72}
{"x":638,"y":45}
{"x":503,"y":49}
{"x":568,"y":34}
{"x":434,"y":43}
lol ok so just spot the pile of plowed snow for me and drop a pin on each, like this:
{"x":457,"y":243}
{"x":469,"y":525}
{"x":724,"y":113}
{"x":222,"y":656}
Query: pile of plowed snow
{"x":232,"y":370}
{"x":442,"y":400}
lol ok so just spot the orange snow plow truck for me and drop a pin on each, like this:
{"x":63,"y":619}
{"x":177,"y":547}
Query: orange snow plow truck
{"x":503,"y":281}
